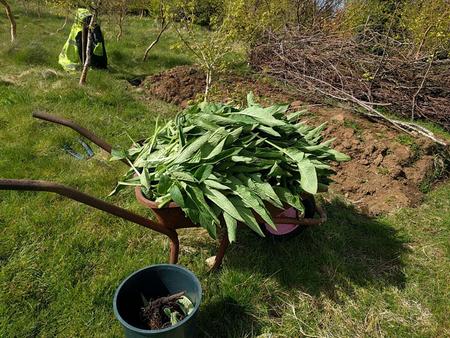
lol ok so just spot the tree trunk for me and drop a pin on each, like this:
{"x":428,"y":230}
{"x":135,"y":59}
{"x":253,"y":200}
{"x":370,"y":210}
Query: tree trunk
{"x":12,"y":21}
{"x":208,"y":83}
{"x":88,"y":55}
{"x":84,"y":37}
{"x":120,"y":22}
{"x":163,"y":29}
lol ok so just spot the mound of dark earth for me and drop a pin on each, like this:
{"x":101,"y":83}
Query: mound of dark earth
{"x":184,"y":84}
{"x":178,"y":85}
{"x":388,"y":169}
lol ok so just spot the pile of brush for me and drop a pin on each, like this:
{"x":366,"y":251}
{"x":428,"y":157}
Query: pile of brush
{"x":370,"y":69}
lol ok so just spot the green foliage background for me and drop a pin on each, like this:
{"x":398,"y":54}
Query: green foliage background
{"x":424,"y":23}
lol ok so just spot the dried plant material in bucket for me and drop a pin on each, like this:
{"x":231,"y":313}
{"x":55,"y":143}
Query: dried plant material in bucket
{"x":166,"y":311}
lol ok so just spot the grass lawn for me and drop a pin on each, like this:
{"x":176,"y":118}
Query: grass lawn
{"x":60,"y":261}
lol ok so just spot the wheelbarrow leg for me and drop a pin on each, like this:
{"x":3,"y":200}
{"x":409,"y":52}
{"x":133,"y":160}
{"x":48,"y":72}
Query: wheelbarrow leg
{"x":174,"y":249}
{"x":224,"y":243}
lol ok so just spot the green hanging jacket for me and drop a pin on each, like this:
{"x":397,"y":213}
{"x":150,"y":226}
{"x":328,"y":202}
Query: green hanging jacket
{"x":70,"y":56}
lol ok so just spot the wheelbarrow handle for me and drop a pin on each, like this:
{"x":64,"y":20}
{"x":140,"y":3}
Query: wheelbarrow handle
{"x":81,"y":130}
{"x":35,"y":185}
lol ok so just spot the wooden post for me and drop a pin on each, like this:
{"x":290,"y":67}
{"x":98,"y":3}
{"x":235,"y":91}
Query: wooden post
{"x":88,"y":55}
{"x":84,"y":38}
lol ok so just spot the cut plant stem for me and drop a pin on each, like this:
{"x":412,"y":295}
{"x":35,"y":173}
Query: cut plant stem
{"x":153,"y":314}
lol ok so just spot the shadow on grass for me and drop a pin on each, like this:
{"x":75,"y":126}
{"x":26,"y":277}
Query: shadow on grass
{"x":230,"y":314}
{"x":349,"y":249}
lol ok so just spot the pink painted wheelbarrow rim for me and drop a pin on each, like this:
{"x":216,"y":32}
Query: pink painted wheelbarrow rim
{"x":284,"y":228}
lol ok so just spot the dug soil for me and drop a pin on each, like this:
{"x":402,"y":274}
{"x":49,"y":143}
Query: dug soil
{"x":388,"y":170}
{"x":185,"y":84}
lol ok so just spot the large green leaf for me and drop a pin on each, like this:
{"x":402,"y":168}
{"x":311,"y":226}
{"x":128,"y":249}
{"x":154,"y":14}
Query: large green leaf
{"x":308,"y":176}
{"x":262,"y":189}
{"x":231,"y":224}
{"x":261,"y":115}
{"x":216,"y":150}
{"x":203,"y":172}
{"x":164,"y":184}
{"x":191,"y":148}
{"x":338,"y":156}
{"x":222,"y":202}
{"x":269,"y":130}
{"x":223,"y":155}
{"x":290,"y":198}
{"x":251,"y":200}
{"x":216,"y":185}
{"x":314,"y":133}
{"x":183,"y":176}
{"x":247,"y":215}
{"x":177,"y":195}
{"x":199,"y":211}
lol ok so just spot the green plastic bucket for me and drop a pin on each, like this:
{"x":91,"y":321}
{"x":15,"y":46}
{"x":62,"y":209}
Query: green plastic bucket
{"x":155,"y":281}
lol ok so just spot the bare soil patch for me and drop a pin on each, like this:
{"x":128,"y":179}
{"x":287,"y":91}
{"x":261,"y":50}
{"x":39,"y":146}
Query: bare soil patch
{"x":178,"y":85}
{"x":387,"y":170}
{"x":181,"y":85}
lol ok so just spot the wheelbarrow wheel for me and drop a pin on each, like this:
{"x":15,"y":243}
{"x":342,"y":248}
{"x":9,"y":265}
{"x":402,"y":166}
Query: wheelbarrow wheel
{"x":291,"y":230}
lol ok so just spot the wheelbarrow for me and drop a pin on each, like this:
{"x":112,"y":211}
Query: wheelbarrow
{"x":168,"y":219}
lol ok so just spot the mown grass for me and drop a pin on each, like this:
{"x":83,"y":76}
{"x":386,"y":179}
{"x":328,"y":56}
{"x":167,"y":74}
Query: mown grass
{"x":60,"y":262}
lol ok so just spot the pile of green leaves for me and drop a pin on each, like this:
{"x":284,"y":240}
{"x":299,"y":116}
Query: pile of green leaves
{"x":220,"y":162}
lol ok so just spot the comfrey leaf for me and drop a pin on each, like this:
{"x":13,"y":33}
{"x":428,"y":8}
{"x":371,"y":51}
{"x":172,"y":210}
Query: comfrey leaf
{"x":262,"y":115}
{"x":191,"y":148}
{"x":290,"y":198}
{"x":338,"y":156}
{"x":251,"y":200}
{"x":118,"y":154}
{"x":222,"y":202}
{"x":308,"y":176}
{"x":231,"y":224}
{"x":246,"y":215}
{"x":177,"y":195}
{"x":223,"y":164}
